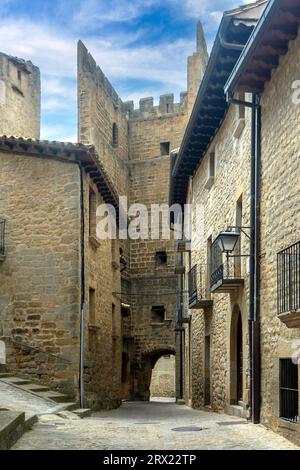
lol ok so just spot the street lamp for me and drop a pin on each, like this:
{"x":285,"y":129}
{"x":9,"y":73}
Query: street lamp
{"x":227,"y":240}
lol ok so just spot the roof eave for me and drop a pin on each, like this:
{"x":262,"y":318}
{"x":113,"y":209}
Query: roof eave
{"x":250,"y":46}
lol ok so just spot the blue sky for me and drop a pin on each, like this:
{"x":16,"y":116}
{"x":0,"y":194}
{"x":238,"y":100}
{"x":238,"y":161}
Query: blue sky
{"x":141,"y":46}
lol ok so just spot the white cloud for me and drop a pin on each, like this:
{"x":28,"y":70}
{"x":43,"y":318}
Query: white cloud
{"x":55,"y":53}
{"x":53,"y":48}
{"x":94,"y":12}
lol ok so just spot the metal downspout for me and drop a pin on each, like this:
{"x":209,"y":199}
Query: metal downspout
{"x":256,"y":366}
{"x":82,"y":318}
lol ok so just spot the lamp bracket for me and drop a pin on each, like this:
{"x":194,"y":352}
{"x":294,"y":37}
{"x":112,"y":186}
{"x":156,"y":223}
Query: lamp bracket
{"x":241,"y":229}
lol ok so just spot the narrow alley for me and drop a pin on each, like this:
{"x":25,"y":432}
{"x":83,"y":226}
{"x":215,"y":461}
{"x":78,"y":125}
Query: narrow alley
{"x":150,"y":425}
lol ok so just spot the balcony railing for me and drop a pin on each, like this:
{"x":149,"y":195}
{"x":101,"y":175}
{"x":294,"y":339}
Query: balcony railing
{"x":288,"y":283}
{"x":2,"y":237}
{"x":225,"y":271}
{"x":182,"y":307}
{"x":199,"y":292}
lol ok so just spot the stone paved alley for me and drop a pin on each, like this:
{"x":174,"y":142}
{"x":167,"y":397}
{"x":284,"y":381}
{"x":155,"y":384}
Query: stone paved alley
{"x":142,"y":425}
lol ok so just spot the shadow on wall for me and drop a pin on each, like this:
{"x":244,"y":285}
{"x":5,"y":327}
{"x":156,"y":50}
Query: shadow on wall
{"x":163,"y":378}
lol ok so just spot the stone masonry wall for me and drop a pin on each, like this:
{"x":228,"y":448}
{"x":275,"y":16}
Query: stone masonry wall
{"x":216,"y":211}
{"x":153,"y":283}
{"x":99,"y":108}
{"x":103,"y":335}
{"x":20,"y":96}
{"x":280,"y":227}
{"x":39,"y":278}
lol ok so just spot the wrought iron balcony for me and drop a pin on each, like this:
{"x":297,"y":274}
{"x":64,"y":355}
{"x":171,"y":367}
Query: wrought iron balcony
{"x":288,"y":285}
{"x":225,"y":271}
{"x":2,"y":239}
{"x":182,"y":313}
{"x":199,"y":292}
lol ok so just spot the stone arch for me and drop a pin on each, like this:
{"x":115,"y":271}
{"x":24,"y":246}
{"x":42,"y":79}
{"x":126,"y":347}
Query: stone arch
{"x":143,"y":372}
{"x":237,"y":343}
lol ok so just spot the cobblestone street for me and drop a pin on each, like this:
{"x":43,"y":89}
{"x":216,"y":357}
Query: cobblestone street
{"x":151,"y":425}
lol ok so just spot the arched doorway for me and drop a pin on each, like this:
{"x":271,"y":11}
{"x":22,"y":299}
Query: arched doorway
{"x":143,"y":372}
{"x":236,"y":358}
{"x":239,"y":359}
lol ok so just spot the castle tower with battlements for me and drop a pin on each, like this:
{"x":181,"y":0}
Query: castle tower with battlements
{"x":135,"y":146}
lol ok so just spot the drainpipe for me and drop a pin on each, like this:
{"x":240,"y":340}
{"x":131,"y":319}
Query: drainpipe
{"x":181,"y":334}
{"x":256,"y":366}
{"x":254,"y":262}
{"x":83,"y":306}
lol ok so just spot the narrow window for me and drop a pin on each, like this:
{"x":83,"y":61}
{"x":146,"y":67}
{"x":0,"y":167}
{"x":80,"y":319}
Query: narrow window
{"x":92,"y":318}
{"x":289,"y":392}
{"x":211,"y":172}
{"x":115,"y":135}
{"x":113,"y":320}
{"x":241,"y":109}
{"x":92,"y":213}
{"x":19,"y":77}
{"x":212,"y":163}
{"x":238,"y":248}
{"x":158,"y":314}
{"x":164,"y":148}
{"x":92,"y":307}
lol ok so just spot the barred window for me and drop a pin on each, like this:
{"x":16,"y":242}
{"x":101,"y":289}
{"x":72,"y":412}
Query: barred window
{"x":289,"y":392}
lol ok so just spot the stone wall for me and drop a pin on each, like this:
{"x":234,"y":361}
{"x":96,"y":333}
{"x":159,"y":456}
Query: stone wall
{"x":280,"y":228}
{"x":40,"y":281}
{"x":103,"y":336}
{"x":217,"y":210}
{"x":280,"y":201}
{"x":20,"y":96}
{"x":100,"y":108}
{"x":40,"y":277}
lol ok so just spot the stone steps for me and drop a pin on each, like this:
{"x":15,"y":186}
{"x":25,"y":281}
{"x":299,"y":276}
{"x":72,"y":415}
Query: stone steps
{"x":37,"y":390}
{"x":13,"y":424}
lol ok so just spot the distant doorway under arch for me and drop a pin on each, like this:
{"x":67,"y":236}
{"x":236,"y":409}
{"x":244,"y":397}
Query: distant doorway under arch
{"x":236,"y":358}
{"x":163,"y":378}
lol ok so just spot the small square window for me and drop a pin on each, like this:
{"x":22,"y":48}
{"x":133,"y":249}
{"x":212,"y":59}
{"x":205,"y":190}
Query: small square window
{"x":158,"y":314}
{"x":161,"y":258}
{"x":165,"y":148}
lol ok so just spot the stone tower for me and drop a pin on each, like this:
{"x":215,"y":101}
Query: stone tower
{"x":135,"y":147}
{"x":20,"y":98}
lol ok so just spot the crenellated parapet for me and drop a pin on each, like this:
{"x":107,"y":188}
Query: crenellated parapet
{"x":166,"y":107}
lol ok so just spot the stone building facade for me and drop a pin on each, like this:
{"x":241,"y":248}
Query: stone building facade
{"x":218,"y":365}
{"x":135,"y":146}
{"x":68,"y":319}
{"x":59,"y":318}
{"x":20,"y":93}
